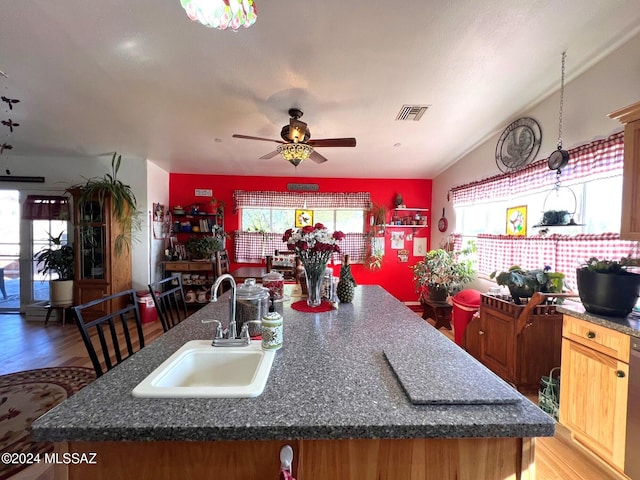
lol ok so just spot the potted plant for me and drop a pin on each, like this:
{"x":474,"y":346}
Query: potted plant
{"x":379,"y":217}
{"x":607,"y":287}
{"x":58,"y":260}
{"x":123,"y":201}
{"x":442,"y":272}
{"x":522,"y":283}
{"x":202,"y":248}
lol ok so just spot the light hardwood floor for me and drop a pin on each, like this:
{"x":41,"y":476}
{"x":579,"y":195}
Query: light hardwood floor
{"x":29,"y":345}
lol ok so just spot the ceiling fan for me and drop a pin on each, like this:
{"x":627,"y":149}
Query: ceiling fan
{"x":296,"y":144}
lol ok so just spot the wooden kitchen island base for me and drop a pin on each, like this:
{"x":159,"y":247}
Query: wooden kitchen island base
{"x":353,"y":459}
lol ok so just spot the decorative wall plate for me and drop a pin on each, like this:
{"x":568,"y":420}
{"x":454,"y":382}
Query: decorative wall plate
{"x":518,"y":144}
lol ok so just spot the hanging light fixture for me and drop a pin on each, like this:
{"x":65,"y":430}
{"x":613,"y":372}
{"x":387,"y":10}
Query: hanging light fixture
{"x":559,"y":159}
{"x":295,"y":153}
{"x":222,"y":14}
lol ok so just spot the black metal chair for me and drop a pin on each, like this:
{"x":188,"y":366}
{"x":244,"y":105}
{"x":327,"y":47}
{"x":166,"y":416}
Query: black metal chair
{"x":103,"y":336}
{"x":222,"y":265}
{"x":168,"y":297}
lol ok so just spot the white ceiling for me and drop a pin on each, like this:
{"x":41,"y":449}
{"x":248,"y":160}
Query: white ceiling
{"x":138,"y":77}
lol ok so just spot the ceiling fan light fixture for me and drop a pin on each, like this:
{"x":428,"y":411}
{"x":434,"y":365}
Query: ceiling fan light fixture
{"x":295,"y":153}
{"x":221,"y":14}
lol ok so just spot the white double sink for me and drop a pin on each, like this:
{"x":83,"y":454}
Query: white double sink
{"x":198,"y":370}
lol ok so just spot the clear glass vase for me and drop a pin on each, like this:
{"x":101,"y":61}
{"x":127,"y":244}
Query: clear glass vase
{"x":314,"y":272}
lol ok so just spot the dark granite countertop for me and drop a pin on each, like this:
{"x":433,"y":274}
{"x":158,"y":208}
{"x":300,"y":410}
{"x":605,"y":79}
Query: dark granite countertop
{"x":629,"y":324}
{"x":330,"y":380}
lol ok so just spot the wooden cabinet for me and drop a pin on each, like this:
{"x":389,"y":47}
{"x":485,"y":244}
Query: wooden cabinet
{"x":353,"y":459}
{"x":593,"y":387}
{"x":196,"y":277}
{"x":630,"y":221}
{"x":519,"y":343}
{"x":100,"y":268}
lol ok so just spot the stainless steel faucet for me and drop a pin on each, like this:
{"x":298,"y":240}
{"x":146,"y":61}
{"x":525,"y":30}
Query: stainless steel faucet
{"x":231,"y":328}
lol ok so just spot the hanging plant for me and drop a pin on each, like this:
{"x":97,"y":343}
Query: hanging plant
{"x":123,"y":201}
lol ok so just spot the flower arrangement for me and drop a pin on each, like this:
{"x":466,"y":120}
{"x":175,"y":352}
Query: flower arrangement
{"x":314,"y":246}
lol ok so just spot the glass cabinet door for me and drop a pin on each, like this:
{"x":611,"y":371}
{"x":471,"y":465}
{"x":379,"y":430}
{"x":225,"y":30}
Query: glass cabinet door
{"x":92,"y":233}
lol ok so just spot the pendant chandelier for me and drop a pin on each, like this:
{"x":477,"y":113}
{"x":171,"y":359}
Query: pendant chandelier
{"x":222,"y":14}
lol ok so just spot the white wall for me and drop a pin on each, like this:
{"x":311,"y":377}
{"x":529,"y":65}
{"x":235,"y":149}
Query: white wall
{"x":157,"y":192}
{"x":609,"y":85}
{"x":63,"y":172}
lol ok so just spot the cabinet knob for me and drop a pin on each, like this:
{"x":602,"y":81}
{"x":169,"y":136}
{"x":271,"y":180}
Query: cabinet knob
{"x":480,"y":332}
{"x":591,"y":334}
{"x":620,"y":374}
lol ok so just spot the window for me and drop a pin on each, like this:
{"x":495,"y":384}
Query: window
{"x":592,"y":182}
{"x":594,"y":215}
{"x":278,"y":220}
{"x":265,"y":216}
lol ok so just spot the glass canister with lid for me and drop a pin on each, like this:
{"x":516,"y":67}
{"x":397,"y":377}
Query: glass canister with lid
{"x":274,"y":282}
{"x":252,"y":303}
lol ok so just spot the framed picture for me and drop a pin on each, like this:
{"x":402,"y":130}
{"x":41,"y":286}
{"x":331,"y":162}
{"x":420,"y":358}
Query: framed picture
{"x":304,"y":218}
{"x":517,"y":220}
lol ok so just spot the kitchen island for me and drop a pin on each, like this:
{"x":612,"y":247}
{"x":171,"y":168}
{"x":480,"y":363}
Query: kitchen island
{"x":331,"y":394}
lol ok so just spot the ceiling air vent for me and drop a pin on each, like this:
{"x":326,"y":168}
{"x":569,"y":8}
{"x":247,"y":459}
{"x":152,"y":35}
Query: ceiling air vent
{"x":411,"y":112}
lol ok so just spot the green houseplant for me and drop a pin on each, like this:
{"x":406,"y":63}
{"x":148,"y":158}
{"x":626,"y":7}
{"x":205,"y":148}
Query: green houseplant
{"x":123,"y":202}
{"x":607,"y":287}
{"x":203,"y":247}
{"x":520,"y":282}
{"x":441,"y":272}
{"x":58,"y":259}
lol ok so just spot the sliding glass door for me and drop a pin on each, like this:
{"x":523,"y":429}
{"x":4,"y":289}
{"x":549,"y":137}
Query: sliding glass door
{"x":21,"y":286}
{"x":9,"y":250}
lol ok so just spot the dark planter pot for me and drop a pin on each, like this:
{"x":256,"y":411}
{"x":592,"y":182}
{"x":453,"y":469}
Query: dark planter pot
{"x":438,"y":294}
{"x":518,"y":292}
{"x":608,"y":294}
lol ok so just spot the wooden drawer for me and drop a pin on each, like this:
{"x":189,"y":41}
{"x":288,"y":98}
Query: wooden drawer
{"x":601,"y":339}
{"x":188,"y":266}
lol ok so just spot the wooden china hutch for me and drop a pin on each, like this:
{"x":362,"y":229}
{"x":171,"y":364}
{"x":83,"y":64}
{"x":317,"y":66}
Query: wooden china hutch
{"x":99,"y":270}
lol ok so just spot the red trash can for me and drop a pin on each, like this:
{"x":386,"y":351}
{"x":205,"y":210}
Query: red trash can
{"x":465,"y":304}
{"x":146,"y":306}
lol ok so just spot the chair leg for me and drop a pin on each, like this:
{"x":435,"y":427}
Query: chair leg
{"x":2,"y":287}
{"x":46,"y":319}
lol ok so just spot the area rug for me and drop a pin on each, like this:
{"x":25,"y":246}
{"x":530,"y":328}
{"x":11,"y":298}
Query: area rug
{"x":25,"y":396}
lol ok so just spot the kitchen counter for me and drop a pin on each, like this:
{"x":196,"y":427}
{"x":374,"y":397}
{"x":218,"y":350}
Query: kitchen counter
{"x":331,"y":383}
{"x":629,"y":324}
{"x":330,"y":380}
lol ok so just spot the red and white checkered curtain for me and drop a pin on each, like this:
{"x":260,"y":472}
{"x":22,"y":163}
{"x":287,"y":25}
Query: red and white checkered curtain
{"x":312,"y":200}
{"x":251,"y":247}
{"x":563,"y":253}
{"x":595,"y":160}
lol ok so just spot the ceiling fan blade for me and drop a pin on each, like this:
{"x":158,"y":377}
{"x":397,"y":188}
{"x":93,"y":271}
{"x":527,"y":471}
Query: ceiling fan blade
{"x":269,"y":155}
{"x":316,"y":157}
{"x":333,"y":142}
{"x":249,"y":137}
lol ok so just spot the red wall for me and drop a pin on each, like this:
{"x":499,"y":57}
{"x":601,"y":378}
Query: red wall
{"x":394,"y":276}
